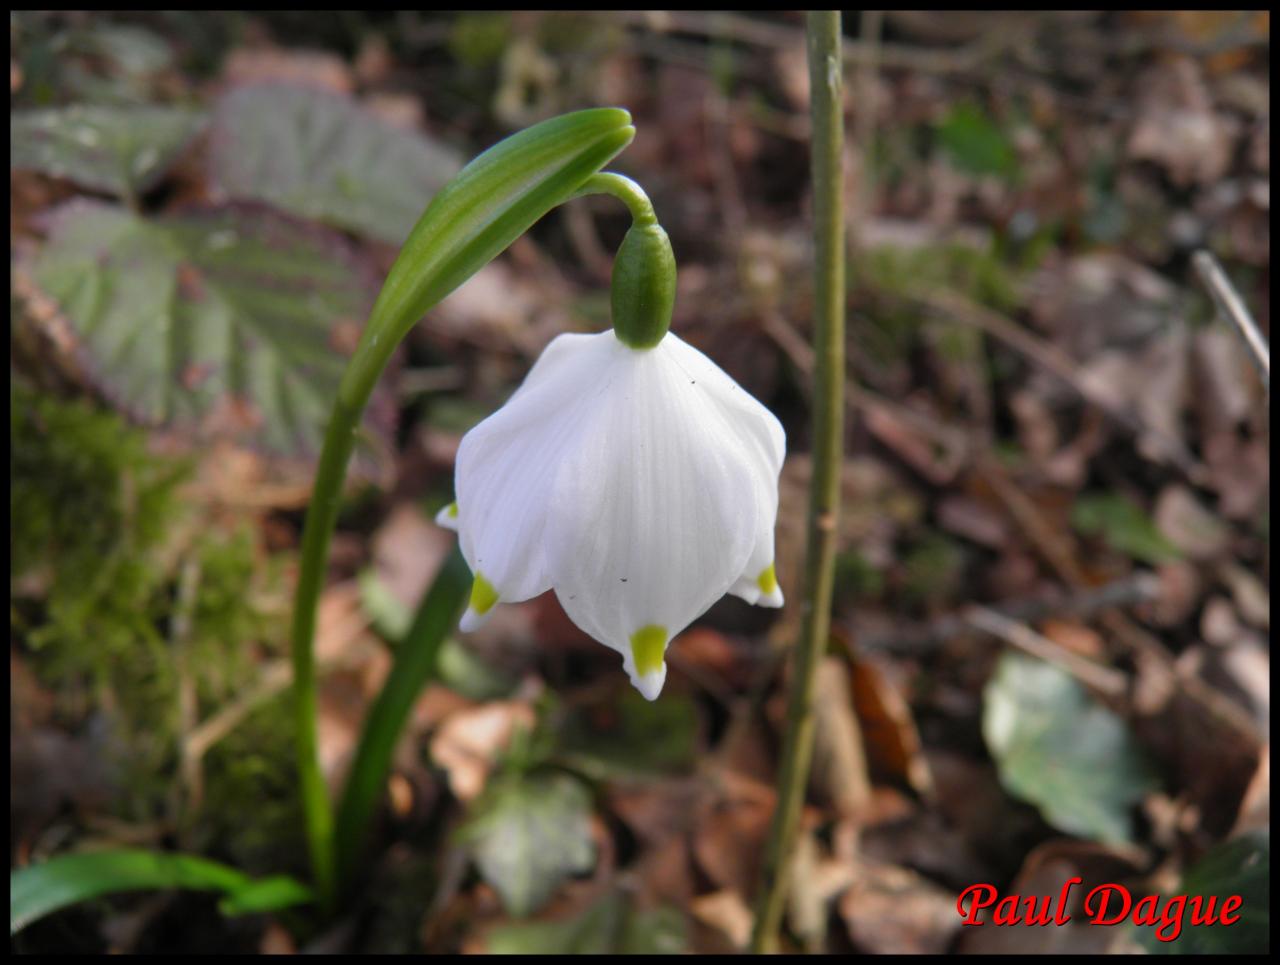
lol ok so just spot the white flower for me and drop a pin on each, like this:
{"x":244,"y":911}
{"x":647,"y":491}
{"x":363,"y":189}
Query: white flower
{"x":640,"y":485}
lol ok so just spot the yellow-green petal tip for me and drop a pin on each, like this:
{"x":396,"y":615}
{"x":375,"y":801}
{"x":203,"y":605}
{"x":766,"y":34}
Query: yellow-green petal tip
{"x":767,"y":580}
{"x":483,"y":595}
{"x":648,"y":644}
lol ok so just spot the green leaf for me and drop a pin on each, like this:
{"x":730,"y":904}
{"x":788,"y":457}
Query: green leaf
{"x":416,"y":660}
{"x":632,"y":737}
{"x":124,"y":151}
{"x":389,"y":616}
{"x":493,"y":201}
{"x":222,"y":320}
{"x":1057,"y":748}
{"x":269,"y":894}
{"x":608,"y":927}
{"x":975,"y":143}
{"x":528,"y":835}
{"x":1124,"y":527}
{"x":322,"y":156}
{"x":465,"y":672}
{"x":1241,"y":866}
{"x":42,"y":889}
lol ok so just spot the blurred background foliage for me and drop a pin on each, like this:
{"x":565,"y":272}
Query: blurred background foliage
{"x":1051,"y":654}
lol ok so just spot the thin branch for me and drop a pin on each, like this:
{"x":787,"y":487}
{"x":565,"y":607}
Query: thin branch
{"x":1103,"y":679}
{"x":955,"y":307}
{"x":1139,"y":587}
{"x":1233,"y":307}
{"x":826,"y":103}
{"x":763,"y":33}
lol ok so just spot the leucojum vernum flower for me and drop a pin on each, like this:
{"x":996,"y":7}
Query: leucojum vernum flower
{"x":628,"y":473}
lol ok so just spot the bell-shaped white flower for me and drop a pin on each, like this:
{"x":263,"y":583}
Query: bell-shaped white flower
{"x":640,"y":484}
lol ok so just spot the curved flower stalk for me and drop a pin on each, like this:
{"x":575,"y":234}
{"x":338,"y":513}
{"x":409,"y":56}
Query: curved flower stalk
{"x":639,"y":483}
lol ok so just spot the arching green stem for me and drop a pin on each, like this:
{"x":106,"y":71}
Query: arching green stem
{"x":625,"y":190}
{"x":642,"y":293}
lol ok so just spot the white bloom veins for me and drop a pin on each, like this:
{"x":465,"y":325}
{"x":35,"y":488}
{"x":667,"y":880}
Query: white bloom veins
{"x":640,"y":485}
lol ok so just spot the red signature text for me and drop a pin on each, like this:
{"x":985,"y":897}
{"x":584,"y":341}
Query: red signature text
{"x":1107,"y":904}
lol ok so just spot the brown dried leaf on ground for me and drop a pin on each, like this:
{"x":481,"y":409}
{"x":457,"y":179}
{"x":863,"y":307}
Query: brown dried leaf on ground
{"x":408,"y":549}
{"x":1255,"y":809}
{"x":1185,"y":522}
{"x":1177,"y":127}
{"x":817,"y":879}
{"x":895,"y":911}
{"x":839,"y":769}
{"x":727,"y":914}
{"x":888,"y":730}
{"x":732,"y":825}
{"x":468,"y":741}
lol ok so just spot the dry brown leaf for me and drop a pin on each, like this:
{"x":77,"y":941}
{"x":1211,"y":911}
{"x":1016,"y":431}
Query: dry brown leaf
{"x":1179,"y":593}
{"x":468,"y":741}
{"x":726,"y":912}
{"x":895,"y":911}
{"x":276,"y":940}
{"x":1185,"y":522}
{"x":1255,"y":809}
{"x":408,"y":549}
{"x":817,"y":879}
{"x":1177,"y":127}
{"x":973,"y":520}
{"x":728,"y":841}
{"x":839,"y":770}
{"x":1252,"y":599}
{"x":1075,"y":636}
{"x":657,"y":811}
{"x":888,"y":730}
{"x":664,"y":874}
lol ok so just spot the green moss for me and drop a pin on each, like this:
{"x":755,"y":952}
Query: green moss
{"x":932,"y":569}
{"x":115,"y":590}
{"x":252,"y":813}
{"x":890,"y":281}
{"x":857,"y":578}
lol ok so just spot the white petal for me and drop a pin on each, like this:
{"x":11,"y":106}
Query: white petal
{"x":660,"y":504}
{"x":766,"y":441}
{"x":472,"y":619}
{"x":447,"y":518}
{"x":758,"y":582}
{"x":507,"y":468}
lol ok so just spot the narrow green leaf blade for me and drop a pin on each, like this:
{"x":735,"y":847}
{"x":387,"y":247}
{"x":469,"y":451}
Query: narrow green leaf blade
{"x":415,"y":664}
{"x":268,"y":894}
{"x":41,"y":889}
{"x":492,"y":201}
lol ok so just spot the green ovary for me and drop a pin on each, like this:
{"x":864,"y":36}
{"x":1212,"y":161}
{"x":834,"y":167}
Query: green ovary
{"x":647,"y":647}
